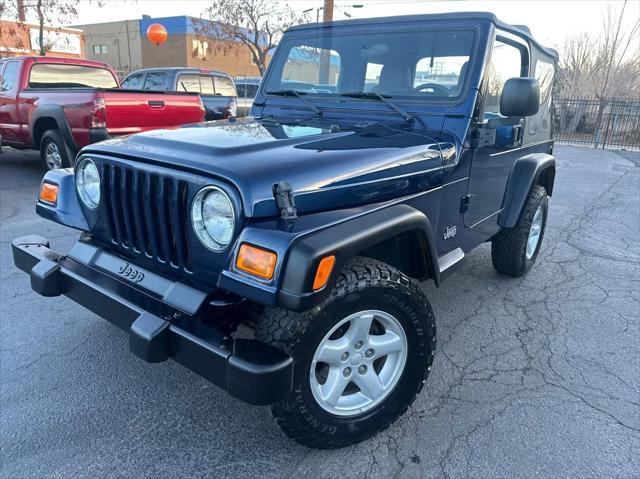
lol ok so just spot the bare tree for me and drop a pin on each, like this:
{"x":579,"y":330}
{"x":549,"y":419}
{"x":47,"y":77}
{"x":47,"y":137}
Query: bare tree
{"x":606,"y":65}
{"x":256,"y":24}
{"x":44,"y":12}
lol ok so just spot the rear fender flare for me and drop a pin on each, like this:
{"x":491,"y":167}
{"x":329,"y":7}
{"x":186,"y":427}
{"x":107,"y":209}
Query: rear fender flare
{"x":346,"y":240}
{"x":55,"y":113}
{"x":529,"y":170}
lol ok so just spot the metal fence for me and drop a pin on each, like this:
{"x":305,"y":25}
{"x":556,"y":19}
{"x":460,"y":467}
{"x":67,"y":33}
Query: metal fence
{"x":601,"y":124}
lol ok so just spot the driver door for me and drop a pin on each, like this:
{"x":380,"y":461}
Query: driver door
{"x":498,"y":143}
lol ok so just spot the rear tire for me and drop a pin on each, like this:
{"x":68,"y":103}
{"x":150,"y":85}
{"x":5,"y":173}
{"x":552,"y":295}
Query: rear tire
{"x":385,"y":329}
{"x":54,"y":151}
{"x":514,"y":250}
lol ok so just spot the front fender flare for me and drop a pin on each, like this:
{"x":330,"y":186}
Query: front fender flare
{"x":526,"y":172}
{"x":345,"y":240}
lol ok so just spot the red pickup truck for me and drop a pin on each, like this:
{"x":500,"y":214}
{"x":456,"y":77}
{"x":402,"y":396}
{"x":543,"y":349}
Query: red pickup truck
{"x":59,"y":105}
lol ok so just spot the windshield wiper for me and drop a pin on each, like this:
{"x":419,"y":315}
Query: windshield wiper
{"x":371,"y":95}
{"x":297,"y":94}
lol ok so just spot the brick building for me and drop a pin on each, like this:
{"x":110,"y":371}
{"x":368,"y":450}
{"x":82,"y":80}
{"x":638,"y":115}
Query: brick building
{"x":24,"y":39}
{"x":125,"y":46}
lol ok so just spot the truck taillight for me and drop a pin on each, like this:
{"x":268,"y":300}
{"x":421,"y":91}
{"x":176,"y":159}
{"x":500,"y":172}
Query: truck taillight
{"x":98,"y":115}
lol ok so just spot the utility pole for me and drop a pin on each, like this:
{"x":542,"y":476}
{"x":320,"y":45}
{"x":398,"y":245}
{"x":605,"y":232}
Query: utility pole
{"x":325,"y":56}
{"x":328,"y":11}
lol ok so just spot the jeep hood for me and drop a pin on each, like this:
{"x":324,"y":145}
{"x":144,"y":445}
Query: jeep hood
{"x":326,"y":169}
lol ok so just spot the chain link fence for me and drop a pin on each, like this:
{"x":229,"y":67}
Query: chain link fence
{"x":598,"y":123}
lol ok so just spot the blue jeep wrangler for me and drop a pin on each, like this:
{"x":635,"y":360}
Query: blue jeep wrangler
{"x":414,"y":140}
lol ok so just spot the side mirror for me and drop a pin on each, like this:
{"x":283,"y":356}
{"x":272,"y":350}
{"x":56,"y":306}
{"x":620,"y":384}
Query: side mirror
{"x":520,"y":97}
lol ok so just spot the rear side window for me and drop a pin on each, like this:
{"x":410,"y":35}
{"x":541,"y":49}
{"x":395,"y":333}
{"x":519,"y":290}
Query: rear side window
{"x":156,"y":81}
{"x":506,"y":62}
{"x":188,"y":82}
{"x":134,"y":82}
{"x":544,"y":74}
{"x":206,"y":85}
{"x":10,"y":77}
{"x":54,"y":75}
{"x":224,"y":86}
{"x":251,"y":91}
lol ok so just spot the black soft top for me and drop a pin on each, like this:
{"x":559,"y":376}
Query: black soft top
{"x":519,"y":30}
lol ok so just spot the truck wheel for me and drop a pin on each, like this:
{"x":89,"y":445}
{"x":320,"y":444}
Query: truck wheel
{"x":514,"y":250}
{"x":361,"y":357}
{"x":54,"y":151}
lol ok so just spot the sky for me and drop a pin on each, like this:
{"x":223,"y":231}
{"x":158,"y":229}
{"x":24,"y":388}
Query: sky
{"x":551,"y":21}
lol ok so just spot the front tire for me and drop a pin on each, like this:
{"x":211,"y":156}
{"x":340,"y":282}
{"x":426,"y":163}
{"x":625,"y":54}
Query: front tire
{"x":514,"y":250}
{"x":361,"y":357}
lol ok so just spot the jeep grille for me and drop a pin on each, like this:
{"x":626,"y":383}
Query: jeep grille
{"x":148,"y":214}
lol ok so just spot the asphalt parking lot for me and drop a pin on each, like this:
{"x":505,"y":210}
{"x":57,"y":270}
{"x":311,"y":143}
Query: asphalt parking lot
{"x":533,"y":377}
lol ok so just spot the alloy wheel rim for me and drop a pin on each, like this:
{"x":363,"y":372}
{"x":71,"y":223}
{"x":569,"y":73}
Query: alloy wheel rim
{"x":52,"y":156}
{"x":358,"y":363}
{"x":535,"y":232}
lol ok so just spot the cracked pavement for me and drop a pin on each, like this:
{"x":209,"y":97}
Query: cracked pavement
{"x":533,"y":377}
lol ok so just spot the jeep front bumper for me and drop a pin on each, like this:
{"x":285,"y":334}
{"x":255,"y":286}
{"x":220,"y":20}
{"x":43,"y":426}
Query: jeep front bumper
{"x":160,"y":315}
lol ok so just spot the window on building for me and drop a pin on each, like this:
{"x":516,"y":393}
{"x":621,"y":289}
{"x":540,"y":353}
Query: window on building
{"x":188,"y":82}
{"x":61,"y":75}
{"x":200,"y":49}
{"x":100,"y":49}
{"x":156,"y":81}
{"x":134,"y":82}
{"x":224,"y":86}
{"x":10,"y":76}
{"x":506,"y":62}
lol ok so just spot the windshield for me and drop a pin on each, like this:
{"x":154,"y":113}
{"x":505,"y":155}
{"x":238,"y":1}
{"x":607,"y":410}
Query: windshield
{"x":422,"y":64}
{"x":60,"y":75}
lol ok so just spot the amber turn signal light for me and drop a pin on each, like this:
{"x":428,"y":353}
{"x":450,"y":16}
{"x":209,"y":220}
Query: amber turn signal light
{"x":49,"y":193}
{"x":256,"y":261}
{"x":323,"y":272}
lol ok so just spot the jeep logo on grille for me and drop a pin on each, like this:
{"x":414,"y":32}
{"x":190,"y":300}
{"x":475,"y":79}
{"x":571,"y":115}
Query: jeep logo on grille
{"x":130,"y":273}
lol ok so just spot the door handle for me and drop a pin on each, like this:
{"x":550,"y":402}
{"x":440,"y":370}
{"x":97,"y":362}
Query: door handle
{"x":156,"y":103}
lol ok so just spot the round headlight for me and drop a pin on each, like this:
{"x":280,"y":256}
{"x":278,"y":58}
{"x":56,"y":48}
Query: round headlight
{"x":213,"y":218}
{"x":88,"y":183}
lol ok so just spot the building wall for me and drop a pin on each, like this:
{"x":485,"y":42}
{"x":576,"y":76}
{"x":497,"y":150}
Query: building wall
{"x":172,"y":53}
{"x":234,"y":59}
{"x":15,"y":40}
{"x":121,"y":40}
{"x":183,"y":49}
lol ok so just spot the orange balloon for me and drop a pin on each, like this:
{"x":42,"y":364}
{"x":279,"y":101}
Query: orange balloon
{"x":156,"y":33}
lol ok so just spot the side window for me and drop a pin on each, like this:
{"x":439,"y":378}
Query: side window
{"x":188,"y":82}
{"x":506,"y":62}
{"x":539,"y":125}
{"x":251,"y":90}
{"x":10,"y":76}
{"x":156,"y":81}
{"x":224,"y":86}
{"x":242,"y":90}
{"x":206,"y":85}
{"x":544,"y":74}
{"x":134,"y":82}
